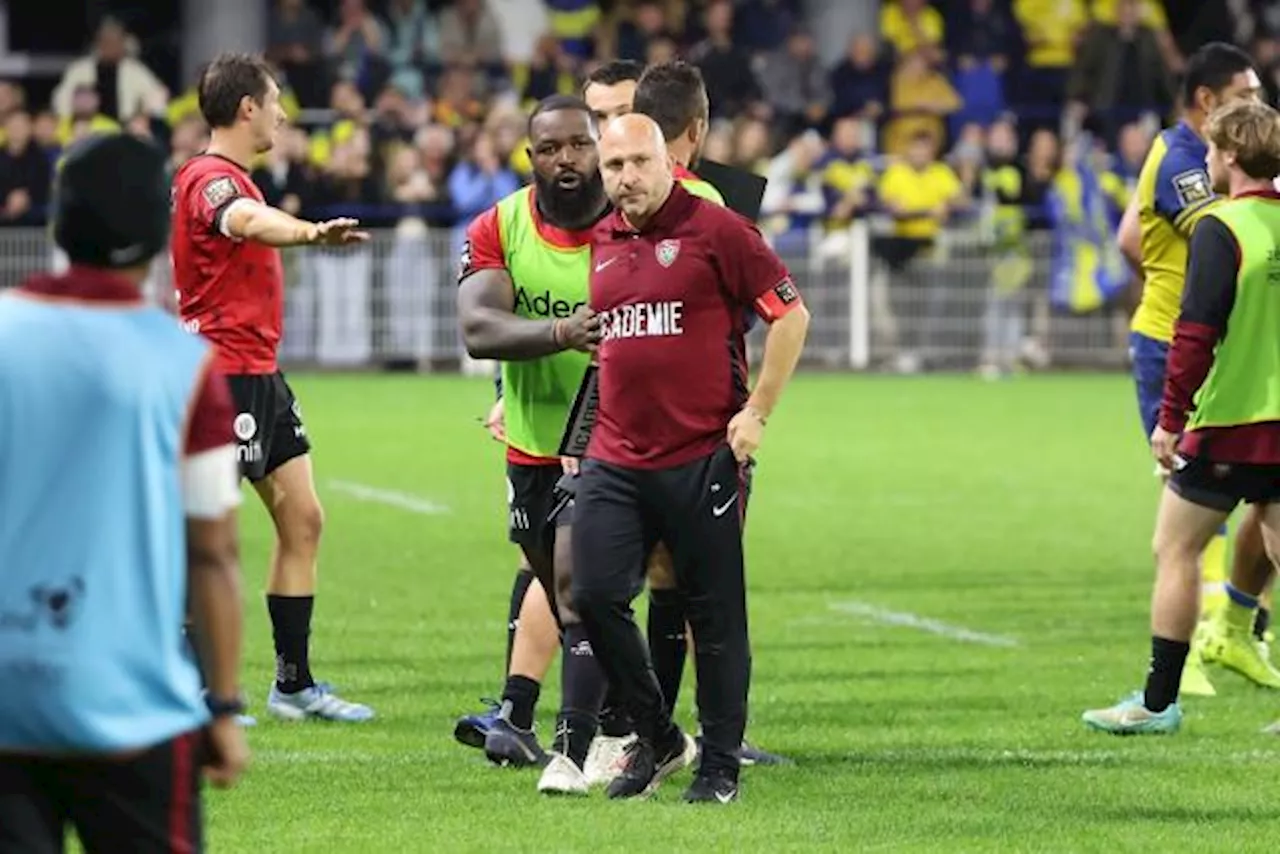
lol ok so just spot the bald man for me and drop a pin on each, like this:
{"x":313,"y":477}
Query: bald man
{"x":671,"y":460}
{"x":674,"y":95}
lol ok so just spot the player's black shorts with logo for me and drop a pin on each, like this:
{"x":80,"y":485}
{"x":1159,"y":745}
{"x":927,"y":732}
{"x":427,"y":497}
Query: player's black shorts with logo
{"x":532,"y":498}
{"x":268,"y":426}
{"x":1222,"y":486}
{"x":145,"y":804}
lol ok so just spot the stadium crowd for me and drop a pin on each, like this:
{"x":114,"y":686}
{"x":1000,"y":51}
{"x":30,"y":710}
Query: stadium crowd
{"x":412,"y":115}
{"x":421,"y":108}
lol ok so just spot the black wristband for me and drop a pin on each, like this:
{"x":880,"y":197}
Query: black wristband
{"x":220,"y":707}
{"x":497,"y":382}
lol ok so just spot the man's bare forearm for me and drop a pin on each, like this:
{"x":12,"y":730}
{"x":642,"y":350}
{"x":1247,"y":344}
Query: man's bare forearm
{"x":265,"y":224}
{"x":217,"y":616}
{"x":492,"y":333}
{"x":782,"y":348}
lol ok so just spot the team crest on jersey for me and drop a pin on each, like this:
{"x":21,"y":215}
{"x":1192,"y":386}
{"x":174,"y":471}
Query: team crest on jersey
{"x":1192,"y":187}
{"x":219,"y":191}
{"x":667,"y":250}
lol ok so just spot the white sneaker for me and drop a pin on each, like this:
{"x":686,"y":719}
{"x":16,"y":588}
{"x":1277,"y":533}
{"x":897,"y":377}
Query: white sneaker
{"x":318,"y":702}
{"x":562,"y":777}
{"x":604,"y":759}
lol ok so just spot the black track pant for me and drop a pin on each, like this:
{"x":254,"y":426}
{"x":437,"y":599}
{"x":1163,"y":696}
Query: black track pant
{"x":698,"y":510}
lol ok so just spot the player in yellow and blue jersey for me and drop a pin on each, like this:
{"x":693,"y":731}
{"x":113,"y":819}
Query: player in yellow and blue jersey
{"x":1172,"y":195}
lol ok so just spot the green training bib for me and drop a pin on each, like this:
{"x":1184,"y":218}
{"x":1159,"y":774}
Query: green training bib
{"x":1242,"y":386}
{"x":550,"y":282}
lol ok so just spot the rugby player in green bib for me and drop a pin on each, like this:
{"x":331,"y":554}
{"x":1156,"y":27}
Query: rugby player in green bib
{"x":522,"y":298}
{"x":1218,"y":431}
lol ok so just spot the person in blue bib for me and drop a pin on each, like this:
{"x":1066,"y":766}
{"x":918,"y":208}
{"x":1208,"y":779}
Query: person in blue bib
{"x":118,"y":489}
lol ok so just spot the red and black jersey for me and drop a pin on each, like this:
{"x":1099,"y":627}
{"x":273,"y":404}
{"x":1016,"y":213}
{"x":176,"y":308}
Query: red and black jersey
{"x":230,"y":291}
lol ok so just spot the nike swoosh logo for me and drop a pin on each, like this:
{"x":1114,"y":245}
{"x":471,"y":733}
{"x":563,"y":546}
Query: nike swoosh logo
{"x":723,"y":508}
{"x":605,"y":263}
{"x":724,"y":797}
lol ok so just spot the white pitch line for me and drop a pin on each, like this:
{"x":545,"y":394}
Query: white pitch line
{"x":923,"y":624}
{"x":390,"y":497}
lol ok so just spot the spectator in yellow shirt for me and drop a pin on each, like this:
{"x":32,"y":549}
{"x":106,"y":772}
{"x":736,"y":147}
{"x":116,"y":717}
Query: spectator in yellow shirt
{"x":847,"y":178}
{"x":913,"y":25}
{"x":919,"y":193}
{"x":1051,"y":29}
{"x":920,"y":97}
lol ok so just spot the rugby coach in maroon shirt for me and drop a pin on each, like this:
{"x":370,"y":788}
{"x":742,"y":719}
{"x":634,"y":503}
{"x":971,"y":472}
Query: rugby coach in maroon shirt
{"x":673,"y":279}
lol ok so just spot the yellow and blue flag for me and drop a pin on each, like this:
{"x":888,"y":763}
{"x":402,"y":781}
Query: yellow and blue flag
{"x":1088,"y":270}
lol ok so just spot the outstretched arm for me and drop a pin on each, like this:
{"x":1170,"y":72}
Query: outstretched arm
{"x":248,"y":219}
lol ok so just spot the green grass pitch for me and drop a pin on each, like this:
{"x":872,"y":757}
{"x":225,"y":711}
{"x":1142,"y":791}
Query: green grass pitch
{"x":1020,"y":512}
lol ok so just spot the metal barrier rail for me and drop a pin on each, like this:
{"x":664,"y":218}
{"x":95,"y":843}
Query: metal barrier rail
{"x":392,"y":301}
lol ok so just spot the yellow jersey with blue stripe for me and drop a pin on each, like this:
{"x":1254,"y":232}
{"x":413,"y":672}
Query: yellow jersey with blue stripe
{"x":1173,"y":194}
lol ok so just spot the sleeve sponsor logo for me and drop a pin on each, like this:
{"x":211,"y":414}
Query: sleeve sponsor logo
{"x":464,"y":260}
{"x":1192,"y":187}
{"x":786,"y":292}
{"x":219,"y":191}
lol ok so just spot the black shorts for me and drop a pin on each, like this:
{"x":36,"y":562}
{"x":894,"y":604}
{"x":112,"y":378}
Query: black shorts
{"x":149,"y":803}
{"x":697,"y":510}
{"x":268,"y":426}
{"x":898,"y":252}
{"x":532,"y":499}
{"x":1221,"y":486}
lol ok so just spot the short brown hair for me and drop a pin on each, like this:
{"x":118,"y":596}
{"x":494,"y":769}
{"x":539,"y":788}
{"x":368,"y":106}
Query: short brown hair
{"x":227,"y":81}
{"x":674,"y":95}
{"x":1250,"y":131}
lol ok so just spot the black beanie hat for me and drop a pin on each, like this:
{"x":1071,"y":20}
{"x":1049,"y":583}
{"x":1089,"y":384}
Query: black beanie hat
{"x":111,"y":201}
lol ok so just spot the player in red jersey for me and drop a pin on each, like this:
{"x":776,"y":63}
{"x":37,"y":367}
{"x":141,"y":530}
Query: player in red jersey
{"x":226,"y":267}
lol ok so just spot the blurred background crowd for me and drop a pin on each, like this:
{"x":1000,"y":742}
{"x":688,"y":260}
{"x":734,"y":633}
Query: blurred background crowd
{"x":1021,"y":116}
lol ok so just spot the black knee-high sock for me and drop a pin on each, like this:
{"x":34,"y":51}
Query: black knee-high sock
{"x":291,"y":629}
{"x":1167,"y":660}
{"x":667,"y":645}
{"x":522,"y":693}
{"x":520,"y":587}
{"x":583,"y":687}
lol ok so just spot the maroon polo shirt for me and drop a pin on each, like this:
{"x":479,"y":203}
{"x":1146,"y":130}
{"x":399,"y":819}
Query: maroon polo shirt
{"x":674,"y":296}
